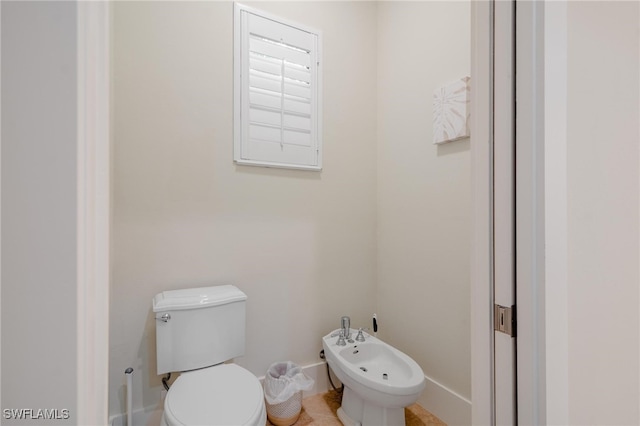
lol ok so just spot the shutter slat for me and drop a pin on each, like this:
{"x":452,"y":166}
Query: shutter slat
{"x":297,"y":90}
{"x":263,"y":47}
{"x":263,"y":116}
{"x":262,"y":98}
{"x":299,"y":74}
{"x":278,"y":110}
{"x":264,"y":82}
{"x":297,"y":122}
{"x":265,"y":64}
{"x":290,"y":137}
{"x":293,"y":154}
{"x":297,"y":106}
{"x":297,"y":138}
{"x":265,"y":133}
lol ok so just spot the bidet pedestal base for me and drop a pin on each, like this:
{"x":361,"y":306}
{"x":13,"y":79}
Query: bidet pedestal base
{"x":356,"y":411}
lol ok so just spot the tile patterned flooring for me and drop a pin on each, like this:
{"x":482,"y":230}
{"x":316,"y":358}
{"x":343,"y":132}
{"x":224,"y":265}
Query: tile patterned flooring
{"x":320,"y":410}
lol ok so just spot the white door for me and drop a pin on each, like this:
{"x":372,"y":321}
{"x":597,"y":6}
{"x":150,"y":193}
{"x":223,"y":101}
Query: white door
{"x":504,"y":213}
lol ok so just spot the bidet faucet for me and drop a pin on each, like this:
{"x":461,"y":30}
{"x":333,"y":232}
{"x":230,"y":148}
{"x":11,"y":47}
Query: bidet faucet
{"x":345,"y":325}
{"x":360,"y":336}
{"x":341,"y":341}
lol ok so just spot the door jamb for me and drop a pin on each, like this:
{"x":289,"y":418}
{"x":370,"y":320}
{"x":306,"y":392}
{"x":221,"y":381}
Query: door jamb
{"x":93,"y":212}
{"x":530,"y":212}
{"x":482,"y":373}
{"x":530,"y":231}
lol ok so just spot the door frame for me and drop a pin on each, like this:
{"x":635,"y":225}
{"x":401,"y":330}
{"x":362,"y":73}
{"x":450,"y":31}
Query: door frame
{"x":482,"y":374}
{"x":530,"y":226}
{"x":94,"y":210}
{"x":530,"y":212}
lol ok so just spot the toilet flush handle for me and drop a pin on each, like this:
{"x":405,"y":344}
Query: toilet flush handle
{"x":164,"y":318}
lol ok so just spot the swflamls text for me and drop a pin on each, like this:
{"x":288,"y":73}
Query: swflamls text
{"x":35,"y":413}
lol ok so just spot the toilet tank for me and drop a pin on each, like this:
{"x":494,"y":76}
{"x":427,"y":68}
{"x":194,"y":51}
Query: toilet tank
{"x":198,"y":327}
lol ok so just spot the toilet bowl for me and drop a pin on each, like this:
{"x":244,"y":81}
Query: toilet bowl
{"x":225,"y":394}
{"x":379,"y":380}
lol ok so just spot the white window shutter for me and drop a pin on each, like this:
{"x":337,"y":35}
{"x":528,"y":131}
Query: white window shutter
{"x":277,"y":92}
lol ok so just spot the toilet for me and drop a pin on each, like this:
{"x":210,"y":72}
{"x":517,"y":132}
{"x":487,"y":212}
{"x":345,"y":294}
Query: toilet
{"x":197,"y":331}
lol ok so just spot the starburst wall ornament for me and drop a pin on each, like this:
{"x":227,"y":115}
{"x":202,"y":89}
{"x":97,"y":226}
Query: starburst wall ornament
{"x":451,"y":111}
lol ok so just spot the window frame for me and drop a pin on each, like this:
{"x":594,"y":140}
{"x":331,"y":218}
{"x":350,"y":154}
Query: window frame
{"x":316,"y":118}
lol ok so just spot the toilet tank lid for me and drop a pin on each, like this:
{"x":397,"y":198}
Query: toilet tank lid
{"x":193,"y":298}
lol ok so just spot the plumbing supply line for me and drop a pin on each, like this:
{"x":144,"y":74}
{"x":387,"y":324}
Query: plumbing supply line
{"x":165,"y":379}
{"x":129,"y":374}
{"x":331,"y":381}
{"x":322,"y":356}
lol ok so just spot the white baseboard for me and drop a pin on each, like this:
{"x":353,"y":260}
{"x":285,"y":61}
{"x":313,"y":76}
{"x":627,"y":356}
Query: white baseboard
{"x":318,"y":372}
{"x":149,"y":416}
{"x":449,"y":406}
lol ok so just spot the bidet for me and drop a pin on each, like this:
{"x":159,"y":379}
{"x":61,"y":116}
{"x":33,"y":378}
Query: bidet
{"x":379,"y":380}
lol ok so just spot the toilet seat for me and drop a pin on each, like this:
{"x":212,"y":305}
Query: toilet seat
{"x":225,"y":394}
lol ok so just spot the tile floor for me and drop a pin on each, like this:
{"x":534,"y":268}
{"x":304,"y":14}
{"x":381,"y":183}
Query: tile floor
{"x":320,"y":410}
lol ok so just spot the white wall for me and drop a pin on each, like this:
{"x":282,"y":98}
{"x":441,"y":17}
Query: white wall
{"x":301,"y":244}
{"x":39,"y":207}
{"x":424,"y":190}
{"x":602,"y":212}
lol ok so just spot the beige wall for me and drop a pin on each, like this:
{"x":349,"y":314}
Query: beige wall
{"x":300,"y":244}
{"x":602,"y":212}
{"x":39,"y":208}
{"x":384,"y":227}
{"x":423,"y":191}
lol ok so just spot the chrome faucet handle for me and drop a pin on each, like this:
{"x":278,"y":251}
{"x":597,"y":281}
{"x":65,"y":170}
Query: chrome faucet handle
{"x":341,"y":338}
{"x":360,"y":336}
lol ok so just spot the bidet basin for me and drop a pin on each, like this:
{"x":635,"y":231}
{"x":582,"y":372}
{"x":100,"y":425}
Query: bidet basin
{"x":380,"y":364}
{"x":379,"y":380}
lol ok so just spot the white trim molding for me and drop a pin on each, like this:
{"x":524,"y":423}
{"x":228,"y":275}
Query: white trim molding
{"x":152,"y":414}
{"x":482,"y":373}
{"x":530,"y":213}
{"x":93,"y":193}
{"x":444,"y":403}
{"x":555,"y":206}
{"x":0,"y":207}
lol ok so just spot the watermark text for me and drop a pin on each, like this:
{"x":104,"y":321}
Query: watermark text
{"x":36,"y":413}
